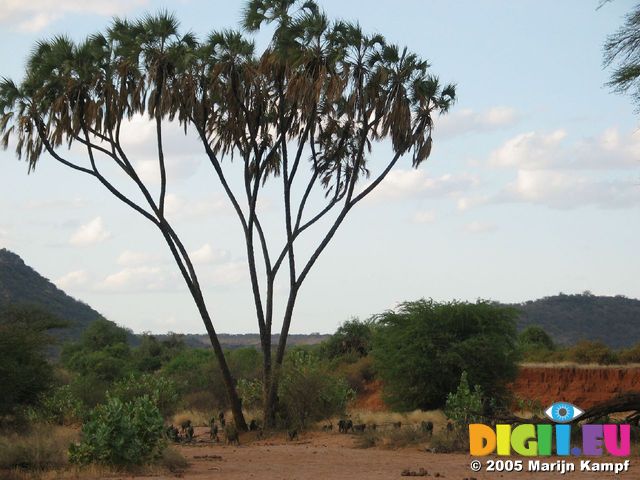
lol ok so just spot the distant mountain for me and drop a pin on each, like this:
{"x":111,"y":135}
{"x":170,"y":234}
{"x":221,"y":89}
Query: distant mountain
{"x":570,"y":318}
{"x":22,"y":285}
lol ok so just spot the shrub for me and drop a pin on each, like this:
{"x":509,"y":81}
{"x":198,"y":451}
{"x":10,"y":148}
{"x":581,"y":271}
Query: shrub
{"x":464,"y":406}
{"x":308,"y":391}
{"x":161,"y":390}
{"x":121,"y":434}
{"x":250,"y":391}
{"x":421,"y":350}
{"x":587,"y":351}
{"x":449,"y":442}
{"x":61,"y":406}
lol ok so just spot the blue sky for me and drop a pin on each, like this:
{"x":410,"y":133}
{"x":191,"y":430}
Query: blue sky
{"x":533,"y":186}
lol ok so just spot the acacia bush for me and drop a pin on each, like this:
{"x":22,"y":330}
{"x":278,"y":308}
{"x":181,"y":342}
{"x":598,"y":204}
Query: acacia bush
{"x":163,"y":392}
{"x":309,"y":391}
{"x":121,"y":434}
{"x":421,"y":350}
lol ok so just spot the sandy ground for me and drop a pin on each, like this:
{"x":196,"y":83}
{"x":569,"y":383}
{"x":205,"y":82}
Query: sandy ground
{"x":334,"y":456}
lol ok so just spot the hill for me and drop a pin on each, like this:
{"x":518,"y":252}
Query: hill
{"x":570,"y":318}
{"x":22,"y":285}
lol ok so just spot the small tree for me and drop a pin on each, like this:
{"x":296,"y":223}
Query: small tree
{"x":306,"y":111}
{"x":24,"y":369}
{"x":465,"y":405}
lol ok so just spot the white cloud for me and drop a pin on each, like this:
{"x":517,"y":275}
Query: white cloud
{"x":460,"y":122}
{"x":140,"y":279}
{"x":129,"y":258}
{"x":90,"y":233}
{"x":480,"y":227}
{"x":77,"y":279}
{"x":34,"y":15}
{"x":207,"y":254}
{"x":427,"y":216}
{"x":609,"y":150}
{"x":401,"y":184}
{"x":569,"y":190}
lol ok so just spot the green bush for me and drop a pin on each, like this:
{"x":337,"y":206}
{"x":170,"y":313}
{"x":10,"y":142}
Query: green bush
{"x":465,"y":405}
{"x":121,"y":434}
{"x":250,"y":392}
{"x":162,"y":391}
{"x":587,"y":351}
{"x":421,"y":350}
{"x":61,"y":406}
{"x":309,"y":391}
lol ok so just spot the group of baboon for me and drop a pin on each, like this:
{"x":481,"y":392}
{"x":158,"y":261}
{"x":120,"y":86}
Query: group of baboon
{"x":232,"y":436}
{"x":347,"y":425}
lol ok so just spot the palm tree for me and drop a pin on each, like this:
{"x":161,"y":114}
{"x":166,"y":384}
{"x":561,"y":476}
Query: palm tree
{"x":307,"y":112}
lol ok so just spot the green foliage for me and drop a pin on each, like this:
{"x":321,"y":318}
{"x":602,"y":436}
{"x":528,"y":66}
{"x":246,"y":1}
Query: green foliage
{"x":534,"y":336}
{"x":422,"y":349}
{"x":196,"y":374}
{"x":102,"y":353}
{"x":244,"y":362}
{"x":61,"y":406}
{"x":465,"y":405}
{"x":121,"y":434}
{"x":250,"y":391}
{"x":24,"y":370}
{"x":162,"y":391}
{"x":586,"y":351}
{"x":630,"y":355}
{"x":308,"y":390}
{"x":152,"y":354}
{"x":352,"y":339}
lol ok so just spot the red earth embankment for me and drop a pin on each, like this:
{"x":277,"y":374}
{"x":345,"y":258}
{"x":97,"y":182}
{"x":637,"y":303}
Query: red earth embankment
{"x":583,"y":386}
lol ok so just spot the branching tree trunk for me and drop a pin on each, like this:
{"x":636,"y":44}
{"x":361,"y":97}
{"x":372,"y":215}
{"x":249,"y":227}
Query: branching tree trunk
{"x":308,"y":111}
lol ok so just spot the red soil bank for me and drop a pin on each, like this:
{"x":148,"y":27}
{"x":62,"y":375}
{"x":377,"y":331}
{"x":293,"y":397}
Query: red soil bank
{"x":582,"y":386}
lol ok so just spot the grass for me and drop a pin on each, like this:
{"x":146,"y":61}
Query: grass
{"x":42,"y":447}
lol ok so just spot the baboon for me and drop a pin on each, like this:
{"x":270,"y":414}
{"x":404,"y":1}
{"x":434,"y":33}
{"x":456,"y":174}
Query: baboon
{"x":427,"y":427}
{"x":449,"y":427}
{"x":341,"y":425}
{"x":189,"y":433}
{"x":184,"y":425}
{"x":172,"y":433}
{"x":397,"y":424}
{"x":253,"y":425}
{"x":213,"y":433}
{"x":231,"y":434}
{"x":327,"y":428}
{"x":348,"y":426}
{"x":292,"y":434}
{"x":221,"y":416}
{"x":359,"y":428}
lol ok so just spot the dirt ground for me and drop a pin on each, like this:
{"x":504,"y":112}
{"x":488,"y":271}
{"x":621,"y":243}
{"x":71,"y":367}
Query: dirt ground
{"x":319,"y":455}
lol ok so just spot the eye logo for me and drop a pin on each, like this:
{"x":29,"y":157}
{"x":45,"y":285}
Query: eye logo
{"x":563,"y":412}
